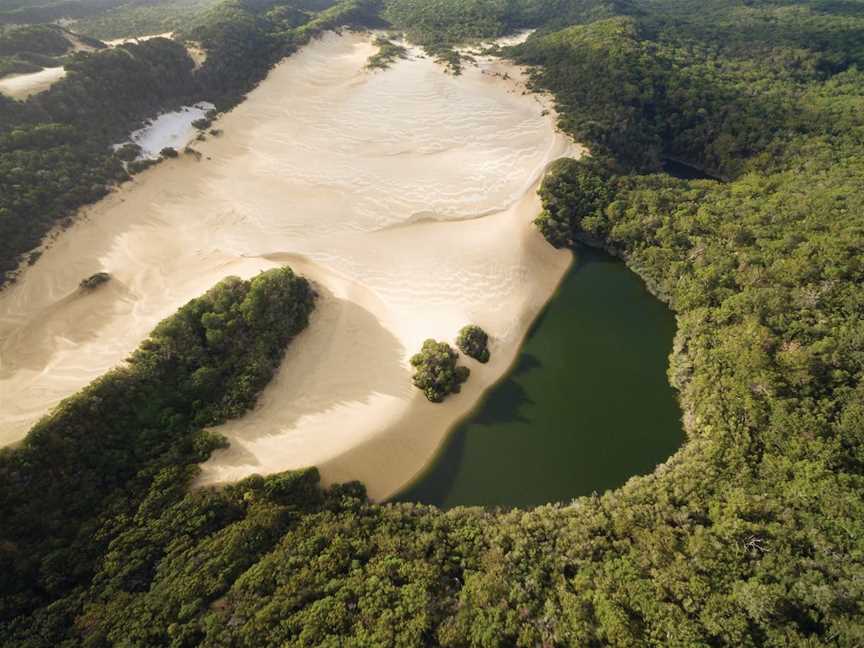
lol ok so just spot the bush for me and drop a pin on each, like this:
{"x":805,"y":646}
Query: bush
{"x":137,"y":166}
{"x":128,"y":152}
{"x":472,"y":341}
{"x":168,"y":152}
{"x":388,"y":52}
{"x":437,"y":374}
{"x":94,"y":281}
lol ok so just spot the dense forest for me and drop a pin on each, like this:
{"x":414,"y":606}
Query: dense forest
{"x":31,"y":48}
{"x":43,"y":11}
{"x":751,"y":535}
{"x":134,"y":436}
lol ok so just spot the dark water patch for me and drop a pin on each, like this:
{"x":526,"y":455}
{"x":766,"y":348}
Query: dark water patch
{"x":587,"y":405}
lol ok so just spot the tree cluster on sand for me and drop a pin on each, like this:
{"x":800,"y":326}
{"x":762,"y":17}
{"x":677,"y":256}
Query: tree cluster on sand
{"x":436,"y":371}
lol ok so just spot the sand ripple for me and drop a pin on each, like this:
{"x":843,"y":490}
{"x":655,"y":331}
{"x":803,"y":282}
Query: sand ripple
{"x":405,"y":195}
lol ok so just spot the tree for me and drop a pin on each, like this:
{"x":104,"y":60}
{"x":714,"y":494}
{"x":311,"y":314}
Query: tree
{"x":436,"y":372}
{"x":472,"y":341}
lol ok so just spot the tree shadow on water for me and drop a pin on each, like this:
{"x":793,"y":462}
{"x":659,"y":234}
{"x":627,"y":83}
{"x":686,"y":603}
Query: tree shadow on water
{"x":504,"y":403}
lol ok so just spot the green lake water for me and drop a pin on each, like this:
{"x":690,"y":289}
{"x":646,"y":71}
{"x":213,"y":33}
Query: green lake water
{"x":586,"y":406}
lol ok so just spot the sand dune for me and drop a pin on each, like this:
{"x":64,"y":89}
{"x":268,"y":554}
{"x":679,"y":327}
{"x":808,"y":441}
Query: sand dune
{"x":405,"y":195}
{"x":21,"y":86}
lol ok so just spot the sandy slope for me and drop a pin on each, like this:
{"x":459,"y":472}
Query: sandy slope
{"x":21,"y":86}
{"x":405,"y":195}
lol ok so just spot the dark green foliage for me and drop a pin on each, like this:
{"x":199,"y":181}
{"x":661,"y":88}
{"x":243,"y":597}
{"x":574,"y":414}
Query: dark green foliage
{"x":30,"y":11}
{"x":436,"y":373}
{"x":94,"y":281}
{"x":572,"y":190}
{"x":137,"y":166}
{"x":202,"y":124}
{"x":39,"y":39}
{"x":473,"y":341}
{"x":168,"y":152}
{"x":441,"y":25}
{"x":751,"y":535}
{"x":128,"y":152}
{"x":135,"y":18}
{"x":15,"y":65}
{"x":388,"y":52}
{"x":33,"y":47}
{"x":65,"y":493}
{"x":603,"y":80}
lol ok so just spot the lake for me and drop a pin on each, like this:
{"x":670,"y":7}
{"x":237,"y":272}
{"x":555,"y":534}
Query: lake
{"x":587,"y":405}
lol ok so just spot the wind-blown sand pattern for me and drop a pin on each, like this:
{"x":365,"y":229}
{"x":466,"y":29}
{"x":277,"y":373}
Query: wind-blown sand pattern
{"x":405,"y":195}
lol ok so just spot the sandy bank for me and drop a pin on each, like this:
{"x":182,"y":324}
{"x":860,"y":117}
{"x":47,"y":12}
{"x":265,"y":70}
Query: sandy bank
{"x":21,"y":86}
{"x":406,"y":195}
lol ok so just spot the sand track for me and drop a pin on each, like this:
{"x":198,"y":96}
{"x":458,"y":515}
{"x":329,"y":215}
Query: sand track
{"x":406,"y":196}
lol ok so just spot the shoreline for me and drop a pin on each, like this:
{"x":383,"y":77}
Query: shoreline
{"x":481,"y":401}
{"x":258,"y":199}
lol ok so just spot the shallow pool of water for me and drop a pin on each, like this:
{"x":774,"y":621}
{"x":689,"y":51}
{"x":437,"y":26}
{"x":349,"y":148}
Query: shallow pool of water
{"x":587,"y":405}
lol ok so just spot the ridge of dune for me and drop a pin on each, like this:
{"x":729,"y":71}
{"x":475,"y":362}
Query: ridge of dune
{"x":312,"y":172}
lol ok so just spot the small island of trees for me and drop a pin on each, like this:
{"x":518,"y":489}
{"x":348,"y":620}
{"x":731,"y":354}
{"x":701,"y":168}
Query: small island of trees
{"x":94,"y":281}
{"x":436,"y":372}
{"x":473,"y":341}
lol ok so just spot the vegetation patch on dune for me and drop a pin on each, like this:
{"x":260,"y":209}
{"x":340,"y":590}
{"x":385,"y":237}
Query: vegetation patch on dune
{"x":436,"y":373}
{"x":387,"y":54}
{"x":94,"y":281}
{"x":473,"y":342}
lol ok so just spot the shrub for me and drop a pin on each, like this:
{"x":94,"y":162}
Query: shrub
{"x":137,"y":166}
{"x":94,"y":281}
{"x":436,"y":372}
{"x":472,"y":341}
{"x":128,"y":152}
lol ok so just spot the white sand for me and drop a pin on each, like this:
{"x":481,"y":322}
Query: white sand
{"x":21,"y":86}
{"x":373,"y":185}
{"x":137,"y":39}
{"x":172,"y":129}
